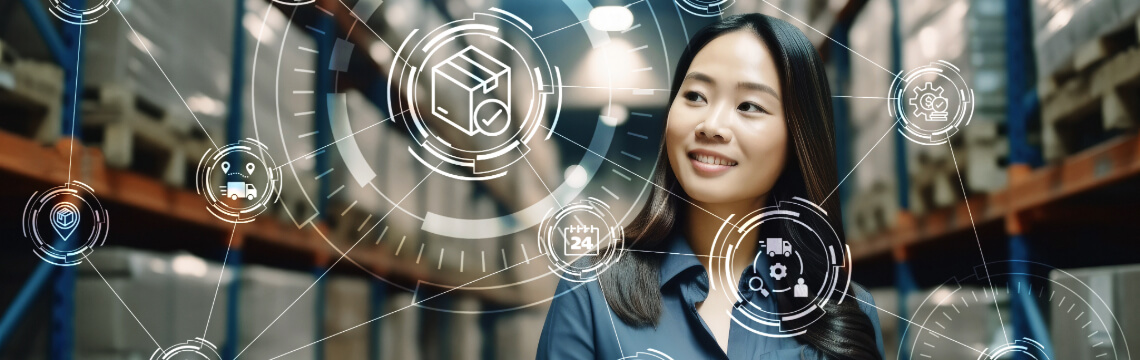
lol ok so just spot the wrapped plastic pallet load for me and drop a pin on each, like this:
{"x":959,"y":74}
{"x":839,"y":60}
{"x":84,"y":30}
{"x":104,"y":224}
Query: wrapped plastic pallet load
{"x":400,"y":331}
{"x":347,"y":305}
{"x":171,"y":295}
{"x":266,"y":293}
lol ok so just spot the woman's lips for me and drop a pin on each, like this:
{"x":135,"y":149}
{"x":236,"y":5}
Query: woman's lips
{"x":708,"y":163}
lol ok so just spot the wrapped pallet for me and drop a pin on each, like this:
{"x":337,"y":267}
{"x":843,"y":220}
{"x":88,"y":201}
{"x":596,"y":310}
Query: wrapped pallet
{"x":400,"y":330}
{"x":266,"y":293}
{"x":347,"y":305}
{"x":171,"y":295}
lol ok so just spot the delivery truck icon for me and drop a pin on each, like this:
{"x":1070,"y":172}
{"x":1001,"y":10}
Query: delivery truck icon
{"x":477,"y":75}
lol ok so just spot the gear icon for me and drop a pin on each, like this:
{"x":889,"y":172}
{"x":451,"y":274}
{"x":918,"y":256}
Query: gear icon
{"x":928,"y":102}
{"x":778,"y":271}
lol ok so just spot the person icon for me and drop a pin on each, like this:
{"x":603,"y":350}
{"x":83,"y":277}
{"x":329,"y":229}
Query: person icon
{"x":800,"y":290}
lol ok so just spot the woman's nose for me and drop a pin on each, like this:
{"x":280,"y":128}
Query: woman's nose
{"x":715,"y":127}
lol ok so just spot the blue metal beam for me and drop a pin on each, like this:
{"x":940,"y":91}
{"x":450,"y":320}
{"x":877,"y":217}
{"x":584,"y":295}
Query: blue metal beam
{"x":376,"y":309}
{"x":320,"y":312}
{"x":24,"y":299}
{"x":237,"y":81}
{"x":901,"y":172}
{"x":905,"y":284}
{"x":322,"y":122}
{"x":843,"y":133}
{"x":231,"y":346}
{"x":52,"y":38}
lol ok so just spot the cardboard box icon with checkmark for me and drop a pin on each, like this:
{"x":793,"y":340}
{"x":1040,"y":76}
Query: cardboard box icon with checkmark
{"x":478,"y":75}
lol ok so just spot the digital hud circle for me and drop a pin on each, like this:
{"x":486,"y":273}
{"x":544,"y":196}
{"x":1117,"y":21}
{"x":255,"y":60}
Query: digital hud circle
{"x":487,"y":91}
{"x":931,"y":103}
{"x":196,"y":349}
{"x":479,"y":108}
{"x":778,"y":270}
{"x":67,"y":12}
{"x":65,"y":223}
{"x":981,"y":319}
{"x":239,"y":181}
{"x":650,"y":354}
{"x":705,"y":8}
{"x":582,"y":230}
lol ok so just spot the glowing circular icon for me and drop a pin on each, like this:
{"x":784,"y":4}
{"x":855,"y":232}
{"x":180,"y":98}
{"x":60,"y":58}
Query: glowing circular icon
{"x":294,"y":2}
{"x":581,"y":240}
{"x":80,"y":16}
{"x":931,"y":103}
{"x":950,"y":322}
{"x":239,"y":181}
{"x":196,"y":349}
{"x":705,"y":8}
{"x":778,"y":270}
{"x":649,"y":354}
{"x":77,"y":221}
{"x":487,"y":94}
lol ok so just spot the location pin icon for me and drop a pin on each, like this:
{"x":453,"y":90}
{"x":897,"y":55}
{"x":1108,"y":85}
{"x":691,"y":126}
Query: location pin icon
{"x":225,"y":167}
{"x":249,"y":168}
{"x":64,"y":219}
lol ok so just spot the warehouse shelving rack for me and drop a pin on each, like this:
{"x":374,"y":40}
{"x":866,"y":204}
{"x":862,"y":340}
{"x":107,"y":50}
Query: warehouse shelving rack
{"x":27,"y":162}
{"x":1037,"y":196}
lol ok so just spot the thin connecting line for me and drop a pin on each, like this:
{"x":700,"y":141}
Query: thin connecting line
{"x":341,"y":139}
{"x":973,"y":227}
{"x":540,"y":178}
{"x":410,"y":305}
{"x":225,"y":259}
{"x":863,"y":97}
{"x":612,"y":324}
{"x":176,"y":92}
{"x":829,"y":38}
{"x":74,"y":104}
{"x":915,"y":324}
{"x":395,"y":55}
{"x":889,"y":130}
{"x":563,"y":28}
{"x":635,"y":174}
{"x":607,"y":88}
{"x":123,"y":302}
{"x":673,"y":253}
{"x":342,"y":256}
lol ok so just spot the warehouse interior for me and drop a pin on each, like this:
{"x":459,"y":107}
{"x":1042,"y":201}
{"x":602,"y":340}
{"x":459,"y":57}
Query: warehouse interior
{"x":363,"y":240}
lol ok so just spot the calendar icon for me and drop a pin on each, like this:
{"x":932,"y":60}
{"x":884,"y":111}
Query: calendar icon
{"x":581,"y":240}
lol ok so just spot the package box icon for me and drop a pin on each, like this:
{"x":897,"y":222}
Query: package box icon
{"x":477,"y":74}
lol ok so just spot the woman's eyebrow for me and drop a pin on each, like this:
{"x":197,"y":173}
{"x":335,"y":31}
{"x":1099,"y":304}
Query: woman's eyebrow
{"x":759,"y":87}
{"x":700,"y":77}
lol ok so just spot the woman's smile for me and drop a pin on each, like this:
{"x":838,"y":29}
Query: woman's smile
{"x":710,"y":163}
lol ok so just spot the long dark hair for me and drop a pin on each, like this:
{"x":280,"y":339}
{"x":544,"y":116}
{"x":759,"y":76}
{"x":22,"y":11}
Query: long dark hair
{"x":631,"y":285}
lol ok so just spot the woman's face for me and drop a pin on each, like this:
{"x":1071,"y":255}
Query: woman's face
{"x":726,"y":137}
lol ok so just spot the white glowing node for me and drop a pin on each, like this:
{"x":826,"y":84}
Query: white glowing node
{"x":611,"y":18}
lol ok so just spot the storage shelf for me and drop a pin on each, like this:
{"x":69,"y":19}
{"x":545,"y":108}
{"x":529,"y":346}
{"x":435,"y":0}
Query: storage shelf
{"x":26,"y":164}
{"x":1028,"y":202}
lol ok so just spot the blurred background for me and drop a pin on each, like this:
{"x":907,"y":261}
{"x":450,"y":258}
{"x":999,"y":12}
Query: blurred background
{"x":1020,"y":231}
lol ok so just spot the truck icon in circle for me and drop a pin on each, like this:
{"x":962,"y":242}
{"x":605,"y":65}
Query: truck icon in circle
{"x":778,"y":246}
{"x":239,"y":189}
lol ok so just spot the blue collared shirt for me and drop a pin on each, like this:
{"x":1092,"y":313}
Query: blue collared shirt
{"x":580,"y":325}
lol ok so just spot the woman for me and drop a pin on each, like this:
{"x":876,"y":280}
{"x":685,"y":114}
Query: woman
{"x":749,"y":124}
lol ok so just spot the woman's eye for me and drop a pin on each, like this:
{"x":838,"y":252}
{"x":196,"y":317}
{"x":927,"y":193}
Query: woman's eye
{"x":750,"y":107}
{"x":693,"y":96}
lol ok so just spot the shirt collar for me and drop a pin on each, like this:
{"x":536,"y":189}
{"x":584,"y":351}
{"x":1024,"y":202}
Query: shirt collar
{"x":673,"y":264}
{"x":679,"y":261}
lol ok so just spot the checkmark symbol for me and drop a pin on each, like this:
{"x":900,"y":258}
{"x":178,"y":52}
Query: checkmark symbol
{"x":493,"y":117}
